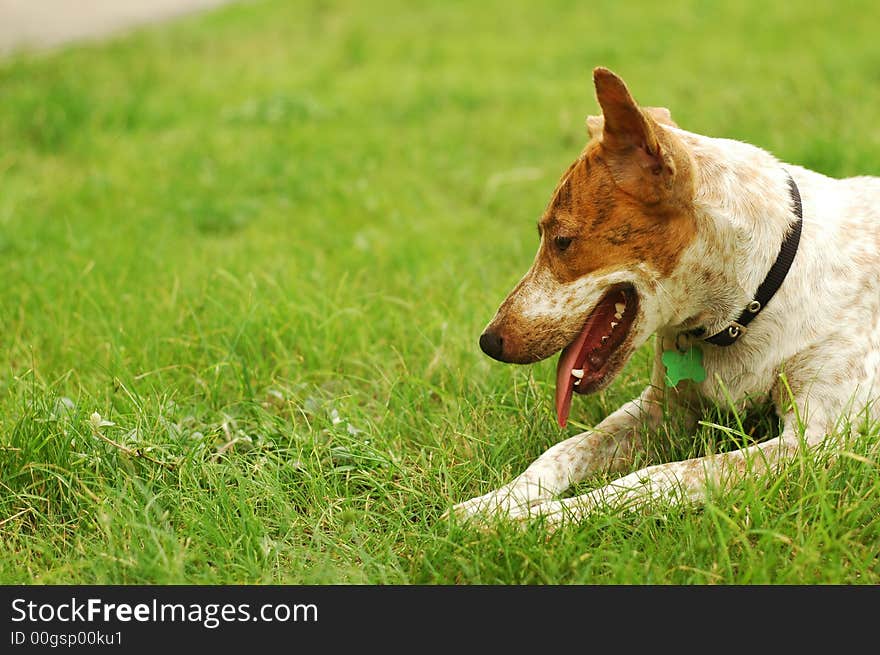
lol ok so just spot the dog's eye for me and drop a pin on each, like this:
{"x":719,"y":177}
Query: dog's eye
{"x":562,"y":243}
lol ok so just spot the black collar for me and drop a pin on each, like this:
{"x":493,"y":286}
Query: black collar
{"x":729,"y":335}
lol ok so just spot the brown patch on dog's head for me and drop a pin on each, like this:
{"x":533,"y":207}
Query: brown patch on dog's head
{"x":593,"y":224}
{"x":625,"y":200}
{"x":623,"y":206}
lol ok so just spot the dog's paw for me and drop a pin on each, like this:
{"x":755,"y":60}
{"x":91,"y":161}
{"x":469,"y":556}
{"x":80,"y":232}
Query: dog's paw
{"x":551,"y":514}
{"x":555,"y":514}
{"x":507,"y":502}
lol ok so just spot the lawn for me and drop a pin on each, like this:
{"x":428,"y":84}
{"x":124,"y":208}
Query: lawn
{"x":245,"y":259}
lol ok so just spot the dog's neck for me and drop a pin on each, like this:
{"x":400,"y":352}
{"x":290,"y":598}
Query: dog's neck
{"x":743,"y":209}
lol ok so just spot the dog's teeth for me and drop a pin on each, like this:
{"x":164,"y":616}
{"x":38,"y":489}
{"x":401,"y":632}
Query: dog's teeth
{"x":604,"y":339}
{"x":618,"y":316}
{"x":577,"y":382}
{"x":578,"y":373}
{"x":614,"y":325}
{"x":620,"y":307}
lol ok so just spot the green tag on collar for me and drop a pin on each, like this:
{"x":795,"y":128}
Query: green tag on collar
{"x":683,"y":366}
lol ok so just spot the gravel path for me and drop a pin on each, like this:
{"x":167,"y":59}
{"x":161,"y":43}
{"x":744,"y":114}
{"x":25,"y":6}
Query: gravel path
{"x":41,"y":24}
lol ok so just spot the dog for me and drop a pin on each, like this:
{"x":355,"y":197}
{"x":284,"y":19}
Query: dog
{"x":758,"y":280}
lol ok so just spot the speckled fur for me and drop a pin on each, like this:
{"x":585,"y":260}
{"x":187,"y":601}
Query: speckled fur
{"x":820,"y":332}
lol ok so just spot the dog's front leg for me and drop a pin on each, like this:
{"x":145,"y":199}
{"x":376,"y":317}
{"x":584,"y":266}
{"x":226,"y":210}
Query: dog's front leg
{"x":610,"y":446}
{"x":687,"y":481}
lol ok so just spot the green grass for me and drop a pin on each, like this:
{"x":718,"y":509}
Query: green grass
{"x":262,"y":242}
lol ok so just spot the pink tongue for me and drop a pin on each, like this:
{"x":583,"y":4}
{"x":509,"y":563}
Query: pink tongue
{"x":564,"y":378}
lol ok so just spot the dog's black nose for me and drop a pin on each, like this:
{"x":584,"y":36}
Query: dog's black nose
{"x":491,"y":344}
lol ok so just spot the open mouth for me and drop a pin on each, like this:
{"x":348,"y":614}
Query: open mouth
{"x":586,"y":362}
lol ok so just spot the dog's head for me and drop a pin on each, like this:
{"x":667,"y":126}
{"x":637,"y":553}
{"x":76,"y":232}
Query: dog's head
{"x":613,"y":231}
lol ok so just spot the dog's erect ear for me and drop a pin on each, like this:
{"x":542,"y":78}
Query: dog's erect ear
{"x":637,"y":158}
{"x":626,"y":127}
